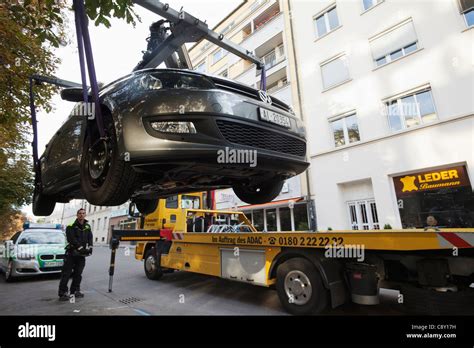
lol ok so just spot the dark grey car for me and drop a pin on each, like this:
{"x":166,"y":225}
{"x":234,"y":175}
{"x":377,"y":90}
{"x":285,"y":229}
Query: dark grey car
{"x":171,"y":131}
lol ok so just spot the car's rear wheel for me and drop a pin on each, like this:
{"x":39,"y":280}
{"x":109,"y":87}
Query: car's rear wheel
{"x":42,"y":205}
{"x":146,"y":206}
{"x":106,"y":177}
{"x":258,"y":194}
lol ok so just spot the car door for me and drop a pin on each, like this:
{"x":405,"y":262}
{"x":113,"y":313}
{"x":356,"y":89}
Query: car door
{"x":63,"y":157}
{"x":5,"y":252}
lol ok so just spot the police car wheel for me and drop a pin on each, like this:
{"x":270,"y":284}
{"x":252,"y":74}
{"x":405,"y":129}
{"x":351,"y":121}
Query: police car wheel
{"x":152,"y":267}
{"x":258,"y":194}
{"x":300,"y":287}
{"x":8,"y":272}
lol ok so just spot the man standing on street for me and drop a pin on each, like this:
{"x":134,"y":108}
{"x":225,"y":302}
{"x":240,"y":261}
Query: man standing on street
{"x":79,"y":238}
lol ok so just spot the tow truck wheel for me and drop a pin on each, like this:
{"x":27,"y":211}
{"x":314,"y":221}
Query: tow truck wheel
{"x":258,"y":194}
{"x":300,"y":287}
{"x":153,"y":269}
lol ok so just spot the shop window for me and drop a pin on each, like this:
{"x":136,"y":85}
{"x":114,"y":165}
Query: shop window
{"x":271,"y":220}
{"x":300,"y":212}
{"x":445,"y":194}
{"x":363,"y":215}
{"x":285,"y":219}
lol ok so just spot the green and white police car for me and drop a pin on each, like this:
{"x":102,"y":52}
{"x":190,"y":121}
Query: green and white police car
{"x":38,"y":249}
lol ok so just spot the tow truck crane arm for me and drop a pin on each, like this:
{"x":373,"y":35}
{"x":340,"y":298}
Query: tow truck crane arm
{"x":185,"y":28}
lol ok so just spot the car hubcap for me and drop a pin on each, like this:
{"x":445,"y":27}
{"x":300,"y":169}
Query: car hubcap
{"x":98,"y":159}
{"x":298,"y":287}
{"x":150,"y":264}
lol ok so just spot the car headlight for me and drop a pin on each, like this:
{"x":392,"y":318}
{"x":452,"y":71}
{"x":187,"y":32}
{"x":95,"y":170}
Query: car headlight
{"x":174,"y":127}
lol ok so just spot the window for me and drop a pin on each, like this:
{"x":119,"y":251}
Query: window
{"x":466,"y":8}
{"x":218,"y":55}
{"x":394,"y":44}
{"x":271,"y":220}
{"x":103,"y":239}
{"x":285,"y":219}
{"x":105,"y":223}
{"x":345,"y":130}
{"x":411,"y":110}
{"x":363,"y":215}
{"x":370,"y":3}
{"x":326,"y":22}
{"x":172,"y":202}
{"x":335,"y":72}
{"x":257,"y":220}
{"x":98,"y":223}
{"x":190,"y":202}
{"x":300,"y":212}
{"x":201,"y":67}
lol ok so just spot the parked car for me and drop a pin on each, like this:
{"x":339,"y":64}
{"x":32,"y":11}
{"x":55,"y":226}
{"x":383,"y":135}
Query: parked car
{"x":38,"y":249}
{"x":165,"y":129}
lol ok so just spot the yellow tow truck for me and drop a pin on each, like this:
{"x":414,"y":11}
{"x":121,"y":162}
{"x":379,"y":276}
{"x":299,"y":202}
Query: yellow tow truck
{"x":311,"y":271}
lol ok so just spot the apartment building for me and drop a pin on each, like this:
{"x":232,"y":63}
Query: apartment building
{"x":262,"y":27}
{"x":387,"y":93}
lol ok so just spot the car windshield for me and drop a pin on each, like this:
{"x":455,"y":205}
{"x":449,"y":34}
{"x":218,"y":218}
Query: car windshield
{"x":42,"y":237}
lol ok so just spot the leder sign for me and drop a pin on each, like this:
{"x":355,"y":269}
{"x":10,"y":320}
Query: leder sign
{"x":431,"y":180}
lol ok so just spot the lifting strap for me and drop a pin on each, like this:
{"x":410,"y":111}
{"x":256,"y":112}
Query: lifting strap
{"x":85,"y":49}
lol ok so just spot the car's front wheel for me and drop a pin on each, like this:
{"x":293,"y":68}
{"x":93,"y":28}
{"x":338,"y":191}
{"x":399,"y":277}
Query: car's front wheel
{"x":9,"y":272}
{"x":106,"y":177}
{"x":258,"y":194}
{"x":42,"y":205}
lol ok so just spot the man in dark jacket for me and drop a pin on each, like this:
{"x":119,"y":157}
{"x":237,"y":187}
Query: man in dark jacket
{"x":79,"y":238}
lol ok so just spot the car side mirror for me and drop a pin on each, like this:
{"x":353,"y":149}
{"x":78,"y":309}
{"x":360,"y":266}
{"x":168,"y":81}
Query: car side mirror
{"x":74,"y":94}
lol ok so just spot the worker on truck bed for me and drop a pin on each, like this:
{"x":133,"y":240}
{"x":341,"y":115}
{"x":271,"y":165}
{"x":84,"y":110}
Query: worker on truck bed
{"x":79,"y":238}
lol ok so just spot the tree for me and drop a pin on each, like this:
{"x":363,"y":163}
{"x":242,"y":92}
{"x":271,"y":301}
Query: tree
{"x":30,"y":30}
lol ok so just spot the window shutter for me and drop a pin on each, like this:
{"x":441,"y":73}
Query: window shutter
{"x":335,"y":72}
{"x":393,"y":40}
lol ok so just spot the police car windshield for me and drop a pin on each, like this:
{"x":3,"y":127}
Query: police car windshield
{"x":42,"y":237}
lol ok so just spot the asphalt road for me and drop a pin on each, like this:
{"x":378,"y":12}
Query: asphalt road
{"x":178,"y":293}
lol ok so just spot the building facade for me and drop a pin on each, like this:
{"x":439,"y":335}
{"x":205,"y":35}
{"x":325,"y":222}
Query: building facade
{"x":262,"y":27}
{"x":387,"y":93}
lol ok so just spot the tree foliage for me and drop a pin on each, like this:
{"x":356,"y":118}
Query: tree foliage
{"x":30,"y":30}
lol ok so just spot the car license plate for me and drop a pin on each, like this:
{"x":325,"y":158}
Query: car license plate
{"x":274,"y":117}
{"x":53,"y":263}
